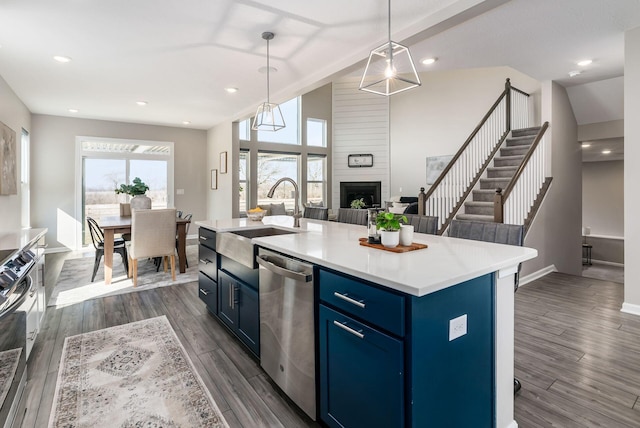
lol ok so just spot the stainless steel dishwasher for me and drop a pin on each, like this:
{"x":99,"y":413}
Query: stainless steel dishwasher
{"x":287,"y":341}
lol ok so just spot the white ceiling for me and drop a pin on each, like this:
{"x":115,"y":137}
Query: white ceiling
{"x":179,"y":56}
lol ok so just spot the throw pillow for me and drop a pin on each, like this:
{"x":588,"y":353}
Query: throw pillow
{"x":266,"y":207}
{"x":278,"y":209}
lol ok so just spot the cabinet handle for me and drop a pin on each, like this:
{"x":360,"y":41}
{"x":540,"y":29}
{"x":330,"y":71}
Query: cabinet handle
{"x":205,"y":261}
{"x":346,"y":298}
{"x":203,"y":238}
{"x":33,"y":334}
{"x":232,"y":295}
{"x":203,"y":291}
{"x":348,"y":329}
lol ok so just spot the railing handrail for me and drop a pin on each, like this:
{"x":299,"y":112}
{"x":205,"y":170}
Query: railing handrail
{"x":507,"y":191}
{"x":505,"y":93}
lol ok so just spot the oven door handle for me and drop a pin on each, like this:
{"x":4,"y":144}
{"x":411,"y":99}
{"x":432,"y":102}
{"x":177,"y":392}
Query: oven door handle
{"x":20,"y":300}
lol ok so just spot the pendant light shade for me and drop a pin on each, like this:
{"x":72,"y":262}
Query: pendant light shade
{"x":390,"y":68}
{"x":268,"y":115}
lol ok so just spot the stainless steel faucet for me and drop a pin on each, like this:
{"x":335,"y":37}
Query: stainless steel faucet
{"x":296,"y":197}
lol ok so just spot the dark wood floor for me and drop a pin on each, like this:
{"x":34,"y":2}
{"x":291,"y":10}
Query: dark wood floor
{"x":577,"y":355}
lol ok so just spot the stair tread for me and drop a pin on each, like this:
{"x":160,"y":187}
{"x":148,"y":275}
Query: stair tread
{"x":512,"y":157}
{"x":522,"y":137}
{"x":531,"y":128}
{"x":496,"y":179}
{"x":479,"y":204}
{"x":475,"y":217}
{"x":503,"y":168}
{"x":485,"y":190}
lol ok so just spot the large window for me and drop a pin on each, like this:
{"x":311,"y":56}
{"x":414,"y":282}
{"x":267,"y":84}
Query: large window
{"x":107,"y":163}
{"x":265,"y":157}
{"x":24,"y":179}
{"x":272,"y":167}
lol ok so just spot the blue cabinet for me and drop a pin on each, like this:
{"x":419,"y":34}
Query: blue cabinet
{"x":239,"y":310}
{"x":208,"y":269}
{"x":387,"y":359}
{"x":361,"y":374}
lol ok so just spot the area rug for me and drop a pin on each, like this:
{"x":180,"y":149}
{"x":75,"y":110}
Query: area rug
{"x":132,"y":375}
{"x":8,"y":364}
{"x":74,"y":283}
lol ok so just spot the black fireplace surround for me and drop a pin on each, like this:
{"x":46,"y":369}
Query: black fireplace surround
{"x":369,"y":191}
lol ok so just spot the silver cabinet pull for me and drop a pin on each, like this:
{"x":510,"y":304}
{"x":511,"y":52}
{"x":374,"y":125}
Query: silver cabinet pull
{"x":232,"y":295}
{"x":205,"y":261}
{"x":348,"y":329}
{"x":203,"y":291}
{"x":349,"y":299}
{"x":203,"y":238}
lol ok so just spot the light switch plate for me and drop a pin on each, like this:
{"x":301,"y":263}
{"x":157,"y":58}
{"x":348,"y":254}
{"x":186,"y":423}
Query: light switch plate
{"x":179,"y":191}
{"x":457,"y":327}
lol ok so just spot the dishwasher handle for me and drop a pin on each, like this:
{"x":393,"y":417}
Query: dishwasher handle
{"x":298,"y":276}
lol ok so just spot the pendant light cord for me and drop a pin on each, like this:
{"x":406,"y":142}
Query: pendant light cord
{"x":389,"y":28}
{"x":268,"y":101}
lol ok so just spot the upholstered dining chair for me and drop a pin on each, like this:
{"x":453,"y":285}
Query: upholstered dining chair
{"x":97,"y":237}
{"x":317,"y":213}
{"x":352,"y":216}
{"x":153,"y":234}
{"x":158,"y":260}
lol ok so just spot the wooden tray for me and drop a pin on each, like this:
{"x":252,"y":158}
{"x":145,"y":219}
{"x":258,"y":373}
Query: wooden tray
{"x":398,"y":249}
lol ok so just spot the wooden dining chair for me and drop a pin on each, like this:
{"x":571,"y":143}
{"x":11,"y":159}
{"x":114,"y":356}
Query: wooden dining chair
{"x":153,"y":234}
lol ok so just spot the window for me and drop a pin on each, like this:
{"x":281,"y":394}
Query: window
{"x":244,"y":131}
{"x":107,"y":163}
{"x":316,"y":167}
{"x":272,"y":167}
{"x":25,"y":151}
{"x":316,"y":133}
{"x":288,"y":135}
{"x":242,"y":176}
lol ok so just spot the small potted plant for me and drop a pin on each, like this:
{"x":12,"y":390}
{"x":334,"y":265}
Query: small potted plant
{"x":137,"y":192}
{"x":389,"y":225}
{"x":358,"y":203}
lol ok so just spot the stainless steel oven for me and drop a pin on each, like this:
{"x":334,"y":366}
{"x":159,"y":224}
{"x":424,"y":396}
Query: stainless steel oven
{"x":17,"y":286}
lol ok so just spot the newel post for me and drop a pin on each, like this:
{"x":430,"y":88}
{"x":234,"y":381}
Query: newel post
{"x":497,"y":207}
{"x":507,"y":89}
{"x":422,"y":202}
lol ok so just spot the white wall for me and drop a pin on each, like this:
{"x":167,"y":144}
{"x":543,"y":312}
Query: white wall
{"x":632,"y":173}
{"x":436,"y":118}
{"x":220,"y":201}
{"x":360,"y":125}
{"x":603,"y":197}
{"x":16,"y":116}
{"x":556,"y":231}
{"x":53,"y":141}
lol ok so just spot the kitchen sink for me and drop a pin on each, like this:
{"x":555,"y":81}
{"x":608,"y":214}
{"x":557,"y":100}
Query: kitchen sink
{"x":236,"y":244}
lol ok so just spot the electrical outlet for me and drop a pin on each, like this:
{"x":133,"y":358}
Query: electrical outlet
{"x":457,"y":327}
{"x":401,"y":190}
{"x":179,"y":191}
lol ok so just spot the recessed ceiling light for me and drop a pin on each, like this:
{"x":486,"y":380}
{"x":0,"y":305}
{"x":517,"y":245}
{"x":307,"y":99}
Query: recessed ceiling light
{"x":585,"y":62}
{"x":574,"y":73}
{"x":231,"y":90}
{"x":263,"y":70}
{"x":61,"y":58}
{"x":429,"y":61}
{"x":585,"y":145}
{"x":142,"y":103}
{"x":186,"y":122}
{"x":606,"y":152}
{"x":73,"y":110}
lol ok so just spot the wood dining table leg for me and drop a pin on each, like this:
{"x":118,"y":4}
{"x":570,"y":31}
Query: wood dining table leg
{"x":182,"y":244}
{"x":108,"y":255}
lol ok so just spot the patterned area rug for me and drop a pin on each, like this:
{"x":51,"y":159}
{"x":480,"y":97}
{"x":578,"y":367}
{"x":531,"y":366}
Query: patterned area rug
{"x":8,"y":364}
{"x":132,"y":375}
{"x":74,"y":283}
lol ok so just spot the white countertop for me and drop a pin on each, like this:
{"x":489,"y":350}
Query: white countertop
{"x":15,"y":240}
{"x":446,"y":261}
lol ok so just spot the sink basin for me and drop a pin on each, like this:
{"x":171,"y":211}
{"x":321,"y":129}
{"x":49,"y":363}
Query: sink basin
{"x":237,"y":244}
{"x":257,"y":233}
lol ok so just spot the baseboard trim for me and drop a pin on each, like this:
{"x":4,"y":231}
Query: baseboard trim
{"x":604,"y":262}
{"x":630,"y":308}
{"x":524,"y":280}
{"x":51,"y":250}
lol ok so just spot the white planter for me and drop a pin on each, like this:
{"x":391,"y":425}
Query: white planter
{"x":141,"y":202}
{"x":390,"y":238}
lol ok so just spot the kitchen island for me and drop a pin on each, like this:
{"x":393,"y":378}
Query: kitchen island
{"x":440,"y":322}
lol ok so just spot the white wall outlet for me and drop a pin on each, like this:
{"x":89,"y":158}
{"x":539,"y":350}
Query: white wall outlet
{"x":179,"y":191}
{"x":457,"y":327}
{"x":401,"y":190}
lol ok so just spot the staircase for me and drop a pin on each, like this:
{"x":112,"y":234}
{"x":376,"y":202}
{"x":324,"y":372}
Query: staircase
{"x":481,"y":207}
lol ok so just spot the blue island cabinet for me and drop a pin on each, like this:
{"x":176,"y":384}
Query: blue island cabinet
{"x":386,"y":358}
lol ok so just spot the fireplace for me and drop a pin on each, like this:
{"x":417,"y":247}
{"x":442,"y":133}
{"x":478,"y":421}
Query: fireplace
{"x":369,"y":191}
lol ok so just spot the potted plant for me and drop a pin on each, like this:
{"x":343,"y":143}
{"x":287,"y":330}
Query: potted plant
{"x":358,"y":203}
{"x":389,"y":225}
{"x":137,"y":192}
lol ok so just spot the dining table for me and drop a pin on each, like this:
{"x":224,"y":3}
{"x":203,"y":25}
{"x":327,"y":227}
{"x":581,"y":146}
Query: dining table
{"x":111,"y":225}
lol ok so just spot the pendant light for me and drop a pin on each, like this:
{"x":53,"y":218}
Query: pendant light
{"x":268,"y":116}
{"x":390,"y":68}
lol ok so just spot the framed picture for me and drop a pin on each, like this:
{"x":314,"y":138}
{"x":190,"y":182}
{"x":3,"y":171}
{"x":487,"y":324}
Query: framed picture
{"x":223,"y":162}
{"x":214,"y":179}
{"x":8,"y":167}
{"x":360,"y":160}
